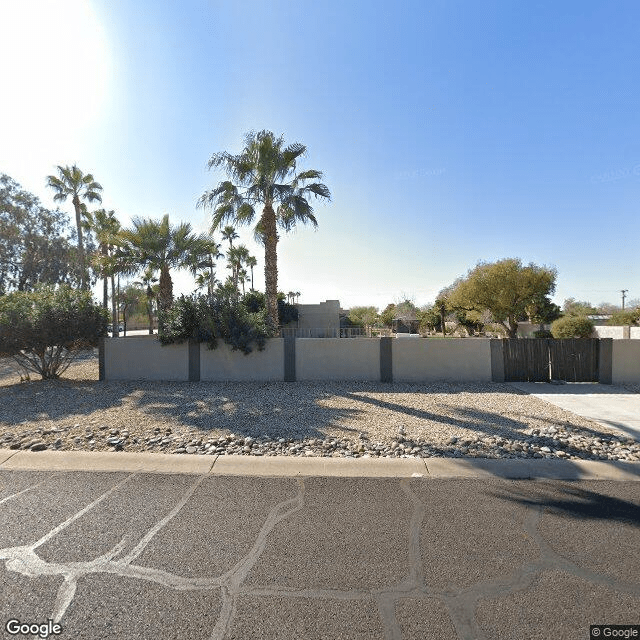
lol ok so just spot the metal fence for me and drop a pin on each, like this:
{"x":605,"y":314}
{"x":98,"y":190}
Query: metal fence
{"x":323,"y":332}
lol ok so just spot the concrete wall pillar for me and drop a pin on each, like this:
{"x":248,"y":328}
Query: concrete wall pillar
{"x":386,"y":360}
{"x":194,"y":361}
{"x":290,"y":359}
{"x":101,"y":370}
{"x":497,"y":360}
{"x":605,"y":360}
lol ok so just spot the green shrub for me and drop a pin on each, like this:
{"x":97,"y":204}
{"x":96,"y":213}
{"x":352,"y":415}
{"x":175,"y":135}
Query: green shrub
{"x":572,"y":327}
{"x":42,"y":330}
{"x":542,"y":333}
{"x":623,"y":318}
{"x":255,"y":302}
{"x":219,"y":318}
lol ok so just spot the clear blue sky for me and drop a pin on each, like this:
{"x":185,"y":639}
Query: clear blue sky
{"x":448,"y":132}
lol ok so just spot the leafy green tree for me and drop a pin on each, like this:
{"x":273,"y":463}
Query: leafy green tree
{"x":505,"y":288}
{"x":407,"y":313}
{"x":429,"y":319}
{"x":42,"y":330}
{"x":36,"y":245}
{"x":572,"y":326}
{"x":265,"y":174}
{"x":572,"y":307}
{"x":624,"y":318}
{"x":543,"y":311}
{"x":160,"y":246}
{"x":388,"y":314}
{"x":363,"y":316}
{"x":72,"y":183}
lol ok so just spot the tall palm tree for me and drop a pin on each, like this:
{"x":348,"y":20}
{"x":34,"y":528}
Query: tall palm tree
{"x":264,"y":174}
{"x":71,"y":182}
{"x":106,"y":227}
{"x":157,"y":244}
{"x":251,"y":262}
{"x":297,"y":295}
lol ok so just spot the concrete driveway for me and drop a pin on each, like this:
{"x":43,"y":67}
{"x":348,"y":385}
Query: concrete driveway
{"x":609,"y":405}
{"x":121,"y":554}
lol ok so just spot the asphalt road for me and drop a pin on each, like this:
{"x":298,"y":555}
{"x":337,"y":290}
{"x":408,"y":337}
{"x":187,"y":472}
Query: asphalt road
{"x":158,"y":556}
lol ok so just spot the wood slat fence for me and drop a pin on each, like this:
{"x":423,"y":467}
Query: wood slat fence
{"x":541,"y":360}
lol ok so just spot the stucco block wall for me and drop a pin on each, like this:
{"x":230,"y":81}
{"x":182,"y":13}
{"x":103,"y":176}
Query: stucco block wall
{"x":338,"y":359}
{"x":143,"y":357}
{"x":323,"y":315}
{"x":424,"y":359}
{"x":223,"y":364}
{"x":608,"y":332}
{"x":625,"y":366}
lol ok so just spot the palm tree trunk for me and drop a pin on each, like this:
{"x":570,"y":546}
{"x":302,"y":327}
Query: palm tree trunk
{"x":268,"y":223}
{"x":165,"y":294}
{"x":105,"y":281}
{"x":114,"y":308}
{"x":150,"y":308}
{"x":83,"y":265}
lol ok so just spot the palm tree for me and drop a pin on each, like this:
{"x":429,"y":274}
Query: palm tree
{"x":202,"y":267}
{"x":229,"y":233}
{"x":160,"y":246}
{"x":237,"y":257}
{"x":290,"y":297}
{"x":264,"y":174}
{"x":71,"y":182}
{"x":297,"y":295}
{"x":251,"y":262}
{"x":147,"y":279}
{"x":106,"y":227}
{"x":243,"y":276}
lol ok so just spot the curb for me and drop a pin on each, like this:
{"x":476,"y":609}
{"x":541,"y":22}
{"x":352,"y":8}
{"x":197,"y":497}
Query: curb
{"x":285,"y":466}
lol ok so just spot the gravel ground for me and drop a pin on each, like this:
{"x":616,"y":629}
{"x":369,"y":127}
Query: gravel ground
{"x":324,"y":419}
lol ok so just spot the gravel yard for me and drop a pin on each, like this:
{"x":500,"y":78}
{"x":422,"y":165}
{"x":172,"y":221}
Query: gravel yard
{"x":302,"y":418}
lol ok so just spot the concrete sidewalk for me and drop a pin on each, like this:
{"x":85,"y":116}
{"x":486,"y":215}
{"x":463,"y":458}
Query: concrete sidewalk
{"x":608,"y":405}
{"x":290,"y":466}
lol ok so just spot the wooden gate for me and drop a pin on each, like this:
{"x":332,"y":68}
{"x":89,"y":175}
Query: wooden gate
{"x":542,"y":359}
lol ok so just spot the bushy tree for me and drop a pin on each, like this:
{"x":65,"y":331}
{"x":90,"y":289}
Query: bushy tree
{"x":363,"y":316}
{"x":578,"y":326}
{"x":505,"y":288}
{"x":623,"y":318}
{"x":388,"y":314}
{"x":573,"y":307}
{"x":36,"y":245}
{"x":42,"y":330}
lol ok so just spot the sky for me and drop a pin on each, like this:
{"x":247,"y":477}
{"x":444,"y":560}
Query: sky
{"x":448,"y":132}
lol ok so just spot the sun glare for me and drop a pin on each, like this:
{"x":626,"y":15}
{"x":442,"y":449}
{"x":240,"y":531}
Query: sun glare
{"x":55,"y":76}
